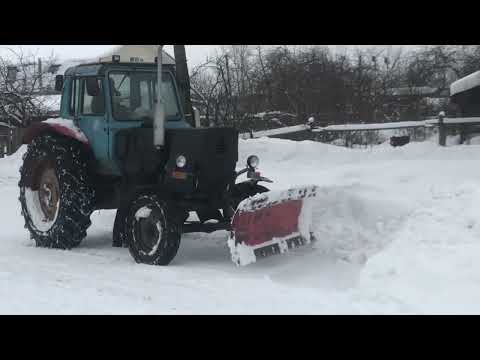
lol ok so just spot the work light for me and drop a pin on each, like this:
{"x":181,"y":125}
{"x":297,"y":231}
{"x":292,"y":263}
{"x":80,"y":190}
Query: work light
{"x":253,"y":161}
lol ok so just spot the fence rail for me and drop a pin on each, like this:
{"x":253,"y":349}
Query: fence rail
{"x":465,"y":126}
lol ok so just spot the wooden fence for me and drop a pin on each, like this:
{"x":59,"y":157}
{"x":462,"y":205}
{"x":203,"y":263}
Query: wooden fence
{"x":465,"y":127}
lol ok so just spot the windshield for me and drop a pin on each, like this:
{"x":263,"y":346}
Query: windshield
{"x":134,"y":95}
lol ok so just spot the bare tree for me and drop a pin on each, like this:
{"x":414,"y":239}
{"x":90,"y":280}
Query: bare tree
{"x":23,"y":78}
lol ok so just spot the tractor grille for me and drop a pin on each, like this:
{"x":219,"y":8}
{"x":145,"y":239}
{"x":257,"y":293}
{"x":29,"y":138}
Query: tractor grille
{"x":221,"y":148}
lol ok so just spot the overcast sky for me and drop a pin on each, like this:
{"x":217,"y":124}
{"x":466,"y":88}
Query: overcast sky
{"x":195,"y":53}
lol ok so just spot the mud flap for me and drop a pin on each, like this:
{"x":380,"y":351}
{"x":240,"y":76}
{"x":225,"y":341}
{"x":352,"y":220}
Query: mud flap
{"x":271,"y":223}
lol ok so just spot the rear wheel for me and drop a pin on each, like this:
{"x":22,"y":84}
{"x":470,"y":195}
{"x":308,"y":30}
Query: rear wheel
{"x":56,"y":192}
{"x":152,"y":232}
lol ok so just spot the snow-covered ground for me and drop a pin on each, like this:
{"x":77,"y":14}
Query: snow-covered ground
{"x":398,"y":232}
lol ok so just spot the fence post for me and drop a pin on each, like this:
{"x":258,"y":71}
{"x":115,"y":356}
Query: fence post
{"x":442,"y":135}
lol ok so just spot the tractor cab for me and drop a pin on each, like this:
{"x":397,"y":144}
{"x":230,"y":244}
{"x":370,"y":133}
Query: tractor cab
{"x":114,"y":104}
{"x":122,"y":142}
{"x":117,"y":93}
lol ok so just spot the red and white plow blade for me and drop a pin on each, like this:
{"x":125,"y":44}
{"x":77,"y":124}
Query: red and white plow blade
{"x":271,"y":223}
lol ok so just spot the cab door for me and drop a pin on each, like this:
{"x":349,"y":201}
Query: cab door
{"x":92,"y":120}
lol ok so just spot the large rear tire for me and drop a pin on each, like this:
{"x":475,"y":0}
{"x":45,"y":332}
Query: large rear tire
{"x":56,"y":192}
{"x":152,"y":231}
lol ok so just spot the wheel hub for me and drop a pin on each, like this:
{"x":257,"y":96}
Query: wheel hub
{"x":149,"y":230}
{"x":49,"y":193}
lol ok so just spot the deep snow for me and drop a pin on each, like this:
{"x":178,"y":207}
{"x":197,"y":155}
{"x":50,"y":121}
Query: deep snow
{"x":398,"y":232}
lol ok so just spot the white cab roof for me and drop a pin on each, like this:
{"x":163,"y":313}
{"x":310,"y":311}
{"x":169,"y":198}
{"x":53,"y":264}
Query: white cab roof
{"x":137,"y":54}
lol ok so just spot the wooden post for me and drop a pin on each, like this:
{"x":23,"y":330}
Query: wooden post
{"x":463,"y":133}
{"x":442,"y":134}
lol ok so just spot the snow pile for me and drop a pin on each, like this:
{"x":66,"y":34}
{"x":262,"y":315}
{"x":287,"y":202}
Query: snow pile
{"x":433,"y":262}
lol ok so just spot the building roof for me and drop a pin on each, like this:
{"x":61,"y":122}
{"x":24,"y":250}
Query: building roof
{"x":466,"y":83}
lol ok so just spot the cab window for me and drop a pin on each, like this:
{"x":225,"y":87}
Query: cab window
{"x":134,"y":96}
{"x":92,"y":105}
{"x":74,"y":96}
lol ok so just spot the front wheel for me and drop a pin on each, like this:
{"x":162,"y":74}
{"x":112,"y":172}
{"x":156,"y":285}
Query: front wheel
{"x":152,"y":233}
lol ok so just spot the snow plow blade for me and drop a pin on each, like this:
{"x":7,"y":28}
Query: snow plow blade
{"x":271,"y":224}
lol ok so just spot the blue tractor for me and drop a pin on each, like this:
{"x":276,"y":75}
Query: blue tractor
{"x":122,"y":142}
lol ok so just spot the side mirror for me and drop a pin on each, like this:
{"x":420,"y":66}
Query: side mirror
{"x":59,"y":83}
{"x":196,"y":117}
{"x":93,"y":87}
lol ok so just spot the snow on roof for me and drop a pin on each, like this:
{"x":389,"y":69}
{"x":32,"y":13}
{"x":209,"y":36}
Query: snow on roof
{"x":468,"y":82}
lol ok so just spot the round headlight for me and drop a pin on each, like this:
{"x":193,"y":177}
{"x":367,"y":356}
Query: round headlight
{"x":181,"y":161}
{"x":253,"y":161}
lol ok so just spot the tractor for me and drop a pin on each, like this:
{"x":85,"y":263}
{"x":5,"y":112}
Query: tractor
{"x":122,"y":143}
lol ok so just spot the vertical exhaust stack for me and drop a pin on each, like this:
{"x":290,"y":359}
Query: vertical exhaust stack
{"x":159,"y":120}
{"x":183,"y":81}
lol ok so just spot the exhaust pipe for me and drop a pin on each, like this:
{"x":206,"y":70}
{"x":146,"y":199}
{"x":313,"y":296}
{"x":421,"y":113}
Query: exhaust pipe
{"x":159,"y":120}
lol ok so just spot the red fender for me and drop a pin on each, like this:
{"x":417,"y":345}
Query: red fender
{"x":40,"y":128}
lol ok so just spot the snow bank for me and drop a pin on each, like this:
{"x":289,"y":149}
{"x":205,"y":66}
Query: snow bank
{"x":397,"y":233}
{"x":432,"y":265}
{"x":10,"y":166}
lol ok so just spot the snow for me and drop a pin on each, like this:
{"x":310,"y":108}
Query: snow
{"x":398,"y":125}
{"x":143,"y":213}
{"x":379,"y":126}
{"x":49,"y":102}
{"x":466,"y":83}
{"x":241,"y":254}
{"x":70,"y":125}
{"x":274,"y":132}
{"x":397,"y":233}
{"x":270,"y":113}
{"x":469,"y":120}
